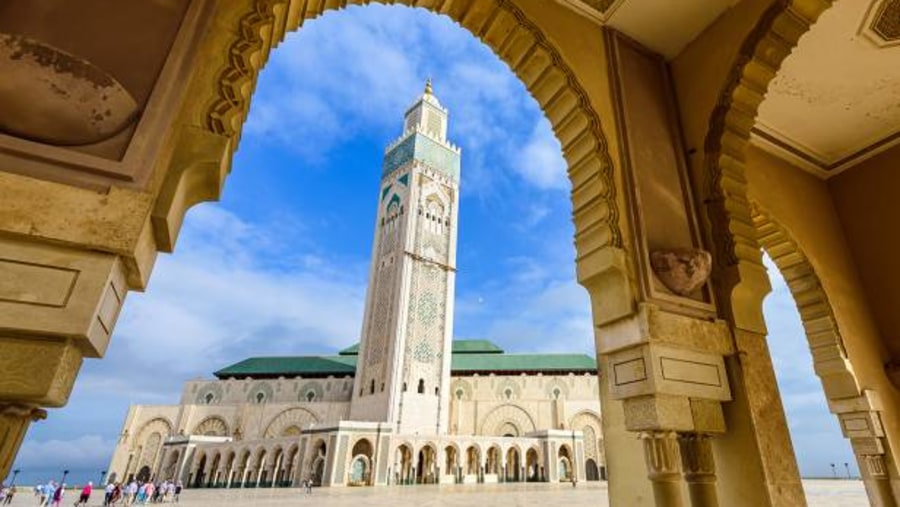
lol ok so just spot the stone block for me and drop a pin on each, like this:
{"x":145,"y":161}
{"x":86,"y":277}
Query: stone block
{"x":656,"y":369}
{"x":658,"y":413}
{"x":707,"y":416}
{"x":861,"y":424}
{"x":54,"y":292}
{"x":39,"y":372}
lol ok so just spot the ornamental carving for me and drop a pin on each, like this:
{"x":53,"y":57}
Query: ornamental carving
{"x":291,"y":418}
{"x":499,"y":419}
{"x":213,"y":426}
{"x":539,"y":64}
{"x":682,"y":270}
{"x":887,"y":21}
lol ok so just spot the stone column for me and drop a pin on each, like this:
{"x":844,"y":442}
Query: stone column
{"x":663,"y":470}
{"x":699,"y":469}
{"x":879,"y":483}
{"x":57,"y":306}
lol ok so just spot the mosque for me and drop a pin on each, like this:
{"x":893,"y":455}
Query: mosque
{"x":408,"y":404}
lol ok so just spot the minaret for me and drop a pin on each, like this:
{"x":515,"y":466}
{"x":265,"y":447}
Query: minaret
{"x":403,"y":368}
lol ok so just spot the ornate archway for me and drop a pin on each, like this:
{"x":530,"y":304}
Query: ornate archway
{"x":290,"y":422}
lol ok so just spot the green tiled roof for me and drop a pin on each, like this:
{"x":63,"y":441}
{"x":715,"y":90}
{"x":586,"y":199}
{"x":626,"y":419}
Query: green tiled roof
{"x":521,"y":363}
{"x":475,"y":347}
{"x":469,"y":356}
{"x":288,"y":366}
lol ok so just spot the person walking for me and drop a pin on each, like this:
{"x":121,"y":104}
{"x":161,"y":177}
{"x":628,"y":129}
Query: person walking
{"x":85,"y":494}
{"x":10,"y":494}
{"x":49,"y":491}
{"x":178,"y":488}
{"x":58,"y":495}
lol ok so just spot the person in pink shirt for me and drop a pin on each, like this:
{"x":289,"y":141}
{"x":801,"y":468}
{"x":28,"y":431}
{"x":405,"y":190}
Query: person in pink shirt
{"x":85,"y":494}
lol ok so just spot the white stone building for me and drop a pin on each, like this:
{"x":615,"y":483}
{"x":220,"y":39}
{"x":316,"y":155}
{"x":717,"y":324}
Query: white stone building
{"x":408,"y":404}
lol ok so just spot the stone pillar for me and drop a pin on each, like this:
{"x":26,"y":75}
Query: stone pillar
{"x":663,"y":470}
{"x":699,"y":469}
{"x":878,"y":483}
{"x":57,"y":306}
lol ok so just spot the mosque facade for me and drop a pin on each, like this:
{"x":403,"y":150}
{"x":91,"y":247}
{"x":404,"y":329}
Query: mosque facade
{"x":408,"y":404}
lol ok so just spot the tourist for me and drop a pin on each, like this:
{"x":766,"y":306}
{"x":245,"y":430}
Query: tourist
{"x":85,"y":494}
{"x":3,"y":492}
{"x":178,"y":488}
{"x":131,"y":493}
{"x":10,"y":494}
{"x":58,"y":495}
{"x":108,"y":493}
{"x":49,"y":491}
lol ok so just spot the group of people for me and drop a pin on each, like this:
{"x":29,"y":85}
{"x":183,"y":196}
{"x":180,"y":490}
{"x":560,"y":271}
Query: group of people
{"x":139,"y":493}
{"x":115,"y":494}
{"x":7,"y":493}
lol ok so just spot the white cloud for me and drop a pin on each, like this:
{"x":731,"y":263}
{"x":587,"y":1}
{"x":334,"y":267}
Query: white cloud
{"x":540,"y":161}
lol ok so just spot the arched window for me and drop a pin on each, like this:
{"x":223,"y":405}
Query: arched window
{"x":209,"y":398}
{"x":404,"y":387}
{"x":260,"y":397}
{"x":421,"y":386}
{"x":459,"y":394}
{"x":310,"y":396}
{"x":372,"y":386}
{"x":507,"y":393}
{"x":437,"y":391}
{"x":382,"y":387}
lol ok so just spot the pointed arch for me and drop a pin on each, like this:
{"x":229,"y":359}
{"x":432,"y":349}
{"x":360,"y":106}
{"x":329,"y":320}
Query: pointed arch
{"x":255,"y":28}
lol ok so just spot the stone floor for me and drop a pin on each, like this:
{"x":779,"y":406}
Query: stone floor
{"x":820,"y":493}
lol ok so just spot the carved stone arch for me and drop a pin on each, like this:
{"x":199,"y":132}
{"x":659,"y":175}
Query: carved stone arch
{"x":507,"y":414}
{"x":313,"y":387}
{"x":290,"y":418}
{"x":761,"y":54}
{"x":555,"y":385}
{"x":209,"y":394}
{"x":211,"y":426}
{"x":830,"y":359}
{"x":508,"y":389}
{"x":159,"y":425}
{"x":461,"y":389}
{"x":260,"y":392}
{"x":589,"y":423}
{"x":248,"y":34}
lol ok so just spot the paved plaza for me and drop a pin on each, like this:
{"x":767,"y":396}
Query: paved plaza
{"x":820,"y":493}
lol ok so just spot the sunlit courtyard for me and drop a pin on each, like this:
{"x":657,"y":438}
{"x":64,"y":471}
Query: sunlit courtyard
{"x":819,"y":493}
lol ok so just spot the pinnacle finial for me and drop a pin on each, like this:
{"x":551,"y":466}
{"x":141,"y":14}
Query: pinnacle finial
{"x":428,"y":89}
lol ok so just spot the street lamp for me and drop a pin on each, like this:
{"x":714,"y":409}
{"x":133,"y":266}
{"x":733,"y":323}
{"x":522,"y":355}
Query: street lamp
{"x":63,"y":481}
{"x":102,"y":475}
{"x":847,"y":468}
{"x":15,"y":473}
{"x":833,"y":471}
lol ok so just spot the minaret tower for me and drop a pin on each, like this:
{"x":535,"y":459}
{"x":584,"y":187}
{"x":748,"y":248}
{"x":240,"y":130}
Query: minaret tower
{"x":403,"y":368}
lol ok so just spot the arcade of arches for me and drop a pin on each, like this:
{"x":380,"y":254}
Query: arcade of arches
{"x":695,"y":137}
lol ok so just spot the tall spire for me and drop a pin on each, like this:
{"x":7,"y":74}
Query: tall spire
{"x":428,"y":90}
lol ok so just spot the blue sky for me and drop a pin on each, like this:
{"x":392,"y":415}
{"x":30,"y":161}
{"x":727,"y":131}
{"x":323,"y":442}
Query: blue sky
{"x":279,"y":266}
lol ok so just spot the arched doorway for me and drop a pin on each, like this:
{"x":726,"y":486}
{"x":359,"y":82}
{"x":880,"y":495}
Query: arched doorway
{"x":426,"y":465}
{"x":533,"y":472}
{"x":316,"y":472}
{"x":513,"y":465}
{"x":403,"y":465}
{"x":473,"y":461}
{"x":360,"y":473}
{"x":451,"y":463}
{"x":591,"y":472}
{"x":199,"y":472}
{"x":564,"y":464}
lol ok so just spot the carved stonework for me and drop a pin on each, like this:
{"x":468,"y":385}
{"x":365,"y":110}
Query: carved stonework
{"x":875,"y":465}
{"x":585,"y":147}
{"x":661,"y":454}
{"x":697,"y":457}
{"x":682,"y":271}
{"x":14,"y":421}
{"x":887,"y":20}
